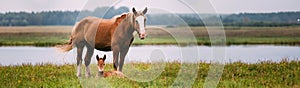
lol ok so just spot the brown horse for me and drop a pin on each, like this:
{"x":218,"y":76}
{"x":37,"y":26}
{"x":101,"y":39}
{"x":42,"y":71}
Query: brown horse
{"x":114,"y":34}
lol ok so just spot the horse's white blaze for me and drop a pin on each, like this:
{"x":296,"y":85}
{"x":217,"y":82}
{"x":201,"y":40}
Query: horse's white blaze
{"x":141,"y":22}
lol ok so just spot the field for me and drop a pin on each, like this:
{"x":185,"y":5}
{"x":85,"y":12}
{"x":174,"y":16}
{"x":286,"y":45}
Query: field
{"x":265,"y":74}
{"x":34,"y":35}
{"x":54,"y":35}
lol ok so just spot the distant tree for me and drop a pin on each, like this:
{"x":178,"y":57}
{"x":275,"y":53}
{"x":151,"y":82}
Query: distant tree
{"x":70,"y":17}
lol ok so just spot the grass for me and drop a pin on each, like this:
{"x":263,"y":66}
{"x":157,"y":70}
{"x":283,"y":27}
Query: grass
{"x":44,"y":75}
{"x":34,"y":35}
{"x":229,"y":41}
{"x":33,"y":39}
{"x":55,"y":35}
{"x":265,"y":74}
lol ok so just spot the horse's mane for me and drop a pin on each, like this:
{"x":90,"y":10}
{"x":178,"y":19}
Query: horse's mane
{"x":120,"y":18}
{"x":117,"y":16}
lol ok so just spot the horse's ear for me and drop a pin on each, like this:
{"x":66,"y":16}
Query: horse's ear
{"x":134,"y":11}
{"x":104,"y":57}
{"x":97,"y":57}
{"x":145,"y":10}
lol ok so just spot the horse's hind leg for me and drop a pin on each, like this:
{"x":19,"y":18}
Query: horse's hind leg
{"x":87,"y":59}
{"x":79,"y":58}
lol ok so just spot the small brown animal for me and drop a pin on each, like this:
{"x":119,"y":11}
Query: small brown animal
{"x":101,"y":72}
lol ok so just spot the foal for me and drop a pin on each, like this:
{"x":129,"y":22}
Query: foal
{"x":101,"y":72}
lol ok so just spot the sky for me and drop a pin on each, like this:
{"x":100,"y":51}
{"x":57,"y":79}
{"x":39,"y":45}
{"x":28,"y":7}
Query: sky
{"x":180,"y":6}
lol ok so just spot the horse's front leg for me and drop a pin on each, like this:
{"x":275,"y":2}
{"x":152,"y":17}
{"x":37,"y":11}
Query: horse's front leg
{"x":116,"y":58}
{"x":123,"y":53}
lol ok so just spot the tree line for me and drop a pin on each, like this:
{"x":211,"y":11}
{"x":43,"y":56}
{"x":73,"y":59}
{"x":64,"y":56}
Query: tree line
{"x":70,"y":17}
{"x":263,"y":19}
{"x":56,"y":17}
{"x":38,"y":18}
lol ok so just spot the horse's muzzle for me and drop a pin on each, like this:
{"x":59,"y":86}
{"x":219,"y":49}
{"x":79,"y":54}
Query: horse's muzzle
{"x":142,"y":36}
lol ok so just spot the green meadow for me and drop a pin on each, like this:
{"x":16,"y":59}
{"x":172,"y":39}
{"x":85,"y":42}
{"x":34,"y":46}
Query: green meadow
{"x":282,"y":74}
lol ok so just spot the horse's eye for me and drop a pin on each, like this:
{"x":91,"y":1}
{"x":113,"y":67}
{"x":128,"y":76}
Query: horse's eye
{"x":103,"y":64}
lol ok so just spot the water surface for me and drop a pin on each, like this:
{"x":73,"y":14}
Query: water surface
{"x":248,"y":54}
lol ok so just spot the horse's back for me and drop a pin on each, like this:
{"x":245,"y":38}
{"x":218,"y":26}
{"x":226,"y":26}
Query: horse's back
{"x":95,"y":31}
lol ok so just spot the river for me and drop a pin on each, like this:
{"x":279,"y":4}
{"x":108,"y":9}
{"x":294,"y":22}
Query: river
{"x":17,"y":55}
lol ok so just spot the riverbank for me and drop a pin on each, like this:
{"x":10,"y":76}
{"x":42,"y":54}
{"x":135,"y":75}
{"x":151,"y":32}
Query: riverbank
{"x":264,"y":74}
{"x":56,"y":35}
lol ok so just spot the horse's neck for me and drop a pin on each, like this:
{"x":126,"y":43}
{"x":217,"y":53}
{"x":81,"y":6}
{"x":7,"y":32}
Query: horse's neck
{"x":126,"y":29}
{"x":130,"y":28}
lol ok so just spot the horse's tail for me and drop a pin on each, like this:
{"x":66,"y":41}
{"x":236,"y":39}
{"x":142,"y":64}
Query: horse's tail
{"x":69,"y":46}
{"x":66,"y":47}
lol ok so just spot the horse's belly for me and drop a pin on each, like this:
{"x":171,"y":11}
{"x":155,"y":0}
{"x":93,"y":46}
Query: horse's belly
{"x":107,"y":48}
{"x":102,"y":45}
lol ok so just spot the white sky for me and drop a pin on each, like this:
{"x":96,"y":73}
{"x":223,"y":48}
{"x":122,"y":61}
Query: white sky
{"x":220,"y":6}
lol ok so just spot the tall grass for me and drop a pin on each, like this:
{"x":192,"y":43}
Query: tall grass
{"x":43,"y":75}
{"x":265,"y":74}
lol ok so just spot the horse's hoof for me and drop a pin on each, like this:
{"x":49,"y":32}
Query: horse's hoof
{"x":78,"y":75}
{"x":88,"y":75}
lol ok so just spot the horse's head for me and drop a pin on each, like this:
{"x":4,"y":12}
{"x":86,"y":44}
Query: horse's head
{"x":100,"y":63}
{"x":139,"y":19}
